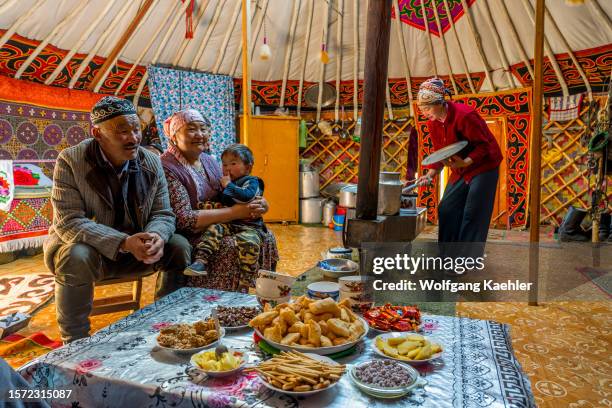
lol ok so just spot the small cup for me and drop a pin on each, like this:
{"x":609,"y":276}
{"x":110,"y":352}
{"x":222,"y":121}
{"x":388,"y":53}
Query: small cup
{"x":273,"y":302}
{"x":353,"y":283}
{"x":323,"y":289}
{"x":271,"y":288}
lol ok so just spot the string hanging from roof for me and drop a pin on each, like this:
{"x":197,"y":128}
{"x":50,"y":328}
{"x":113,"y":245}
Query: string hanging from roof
{"x":189,"y":19}
{"x":264,"y":51}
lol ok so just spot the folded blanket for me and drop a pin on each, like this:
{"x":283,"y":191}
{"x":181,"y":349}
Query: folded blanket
{"x":6,"y":185}
{"x":30,"y":176}
{"x":564,"y":108}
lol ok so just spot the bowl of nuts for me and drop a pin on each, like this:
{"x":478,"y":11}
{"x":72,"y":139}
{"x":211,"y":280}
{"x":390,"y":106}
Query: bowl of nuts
{"x":385,"y":378}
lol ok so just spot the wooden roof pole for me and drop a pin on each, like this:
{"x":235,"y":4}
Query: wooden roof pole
{"x":92,"y":53}
{"x":306,"y":43}
{"x":378,"y":30}
{"x":568,"y":49}
{"x":13,"y":28}
{"x":535,"y":153}
{"x":259,"y":11}
{"x":49,"y":37}
{"x":498,"y":44}
{"x":161,"y":48}
{"x":598,"y":11}
{"x":228,"y":35}
{"x":289,"y":50}
{"x":187,"y":41}
{"x":515,"y":37}
{"x":322,"y":71}
{"x":58,"y":70}
{"x":121,"y":43}
{"x":448,"y":61}
{"x":209,"y":31}
{"x":246,"y":71}
{"x":109,"y":69}
{"x":549,"y":52}
{"x":146,"y":48}
{"x":463,"y":60}
{"x":429,"y":41}
{"x":403,"y":53}
{"x":339,"y":28}
{"x":355,"y":59}
{"x":476,"y":36}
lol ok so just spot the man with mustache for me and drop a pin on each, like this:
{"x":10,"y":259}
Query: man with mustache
{"x":111,"y":216}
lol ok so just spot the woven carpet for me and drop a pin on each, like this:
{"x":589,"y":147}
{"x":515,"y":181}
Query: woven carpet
{"x":18,"y":350}
{"x":24,"y":294}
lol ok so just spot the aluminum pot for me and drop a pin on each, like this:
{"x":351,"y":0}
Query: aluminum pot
{"x":311,"y":210}
{"x":389,"y":193}
{"x":348,"y":196}
{"x":309,"y":184}
{"x":329,"y":209}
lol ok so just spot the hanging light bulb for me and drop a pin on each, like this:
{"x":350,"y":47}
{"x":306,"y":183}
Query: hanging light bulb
{"x":324,"y":56}
{"x":264,"y":51}
{"x":574,"y":2}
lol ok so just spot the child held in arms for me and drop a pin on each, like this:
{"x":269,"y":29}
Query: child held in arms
{"x":238,"y":187}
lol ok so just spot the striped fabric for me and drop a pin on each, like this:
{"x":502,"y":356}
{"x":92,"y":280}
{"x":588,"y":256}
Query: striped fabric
{"x":564,"y":108}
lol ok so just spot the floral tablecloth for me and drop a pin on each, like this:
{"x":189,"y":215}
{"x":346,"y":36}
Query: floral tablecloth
{"x":121,"y":366}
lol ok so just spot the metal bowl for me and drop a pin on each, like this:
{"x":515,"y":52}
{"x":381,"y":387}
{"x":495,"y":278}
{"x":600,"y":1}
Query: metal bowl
{"x":337,"y":267}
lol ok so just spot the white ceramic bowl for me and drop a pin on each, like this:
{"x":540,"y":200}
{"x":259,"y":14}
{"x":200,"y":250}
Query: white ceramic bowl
{"x":271,"y":288}
{"x":305,"y":393}
{"x":279,"y":277}
{"x":387,"y":392}
{"x":323,"y":289}
{"x":353,"y":283}
{"x":244,"y":357}
{"x":272,"y":301}
{"x":318,"y":350}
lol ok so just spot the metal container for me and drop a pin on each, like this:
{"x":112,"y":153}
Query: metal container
{"x":389,"y":193}
{"x":309,"y":184}
{"x":311,"y":210}
{"x":329,"y":209}
{"x":348,"y":196}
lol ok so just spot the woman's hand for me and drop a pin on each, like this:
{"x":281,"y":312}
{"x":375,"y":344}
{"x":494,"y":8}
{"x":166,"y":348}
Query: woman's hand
{"x":258,"y":207}
{"x":457,"y":162}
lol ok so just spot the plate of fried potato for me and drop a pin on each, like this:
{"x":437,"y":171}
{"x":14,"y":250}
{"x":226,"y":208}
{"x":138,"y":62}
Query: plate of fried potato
{"x":412,"y":348}
{"x":299,"y":374}
{"x":310,"y":326}
{"x":190,"y":338}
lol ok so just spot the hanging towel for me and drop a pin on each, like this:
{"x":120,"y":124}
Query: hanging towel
{"x":7,"y":188}
{"x":564,"y":108}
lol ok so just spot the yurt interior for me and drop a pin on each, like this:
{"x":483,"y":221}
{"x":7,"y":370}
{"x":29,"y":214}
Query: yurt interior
{"x":245,"y":203}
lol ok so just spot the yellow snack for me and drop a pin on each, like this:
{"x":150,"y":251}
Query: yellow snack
{"x":424,"y":353}
{"x":413,"y":353}
{"x":407,"y":346}
{"x":327,"y":305}
{"x":288,"y":315}
{"x":339,"y":327}
{"x":323,"y":326}
{"x":326,"y":342}
{"x":314,"y":333}
{"x":273,"y":334}
{"x":394,"y":341}
{"x":415,"y":337}
{"x":296,"y":328}
{"x":339,"y":341}
{"x":208,"y":361}
{"x":436,"y":348}
{"x":290,"y":338}
{"x":263,"y":319}
{"x":389,"y":350}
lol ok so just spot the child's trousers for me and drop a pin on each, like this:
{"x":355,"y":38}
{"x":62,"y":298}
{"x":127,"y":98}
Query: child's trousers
{"x":248,"y":241}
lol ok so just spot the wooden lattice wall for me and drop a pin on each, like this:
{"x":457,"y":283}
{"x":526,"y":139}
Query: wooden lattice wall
{"x":337,"y":158}
{"x":565,"y":173}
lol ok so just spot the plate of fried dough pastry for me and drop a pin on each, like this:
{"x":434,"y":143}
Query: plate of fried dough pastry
{"x":310,"y":326}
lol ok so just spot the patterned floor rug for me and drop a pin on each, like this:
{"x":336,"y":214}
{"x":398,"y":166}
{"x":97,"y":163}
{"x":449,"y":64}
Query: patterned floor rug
{"x":18,"y":350}
{"x":24,"y":294}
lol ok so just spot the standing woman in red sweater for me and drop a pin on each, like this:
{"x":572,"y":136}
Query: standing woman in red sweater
{"x":465,"y":210}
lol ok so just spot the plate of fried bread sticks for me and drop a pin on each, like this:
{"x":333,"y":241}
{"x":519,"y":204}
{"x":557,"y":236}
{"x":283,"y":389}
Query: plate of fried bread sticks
{"x":310,"y":326}
{"x":299,"y":374}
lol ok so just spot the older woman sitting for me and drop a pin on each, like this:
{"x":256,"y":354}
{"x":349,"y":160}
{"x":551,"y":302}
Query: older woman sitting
{"x":194,"y":183}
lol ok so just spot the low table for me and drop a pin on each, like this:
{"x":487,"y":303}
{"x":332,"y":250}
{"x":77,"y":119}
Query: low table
{"x":121,"y":365}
